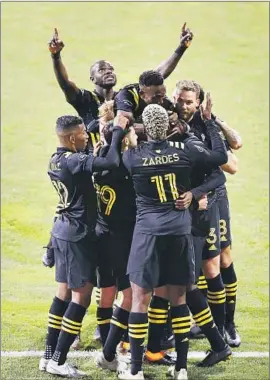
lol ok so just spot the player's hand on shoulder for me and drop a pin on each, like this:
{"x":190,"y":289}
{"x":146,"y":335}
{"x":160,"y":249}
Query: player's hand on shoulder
{"x":55,"y":44}
{"x":203,"y":202}
{"x":184,"y":201}
{"x":121,"y":121}
{"x":206,"y":111}
{"x":186,"y":36}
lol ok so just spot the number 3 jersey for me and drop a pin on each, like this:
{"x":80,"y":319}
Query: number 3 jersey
{"x":115,"y":197}
{"x":161,"y":172}
{"x":71,"y":176}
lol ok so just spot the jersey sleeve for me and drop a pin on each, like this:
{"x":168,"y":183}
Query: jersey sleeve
{"x":80,"y":162}
{"x":127,"y":100}
{"x":202,"y":156}
{"x":83,"y":97}
{"x":214,"y":180}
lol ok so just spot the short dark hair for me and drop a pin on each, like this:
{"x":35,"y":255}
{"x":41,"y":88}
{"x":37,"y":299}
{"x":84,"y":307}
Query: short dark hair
{"x":151,"y":78}
{"x":94,"y":64}
{"x":67,"y":123}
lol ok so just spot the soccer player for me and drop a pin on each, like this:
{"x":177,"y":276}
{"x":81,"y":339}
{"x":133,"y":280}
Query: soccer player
{"x":73,"y":236}
{"x":162,"y":250}
{"x":187,"y":97}
{"x":102,"y":74}
{"x":115,"y":225}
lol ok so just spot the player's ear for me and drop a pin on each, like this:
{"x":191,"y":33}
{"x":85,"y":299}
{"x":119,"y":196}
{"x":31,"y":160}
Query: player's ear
{"x":126,"y":141}
{"x":72,"y":138}
{"x":92,"y":79}
{"x":197,"y":103}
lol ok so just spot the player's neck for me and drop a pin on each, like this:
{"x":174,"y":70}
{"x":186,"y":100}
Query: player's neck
{"x":67,"y":146}
{"x":106,"y":93}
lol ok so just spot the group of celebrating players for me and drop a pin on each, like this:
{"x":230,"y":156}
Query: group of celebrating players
{"x":143,"y":210}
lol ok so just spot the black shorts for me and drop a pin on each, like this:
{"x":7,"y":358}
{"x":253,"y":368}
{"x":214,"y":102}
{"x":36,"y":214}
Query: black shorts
{"x":113,"y":253}
{"x":224,"y":221}
{"x":75,"y":262}
{"x":161,"y":260}
{"x":219,"y":235}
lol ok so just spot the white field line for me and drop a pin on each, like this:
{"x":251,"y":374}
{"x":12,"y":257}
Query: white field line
{"x":92,"y":354}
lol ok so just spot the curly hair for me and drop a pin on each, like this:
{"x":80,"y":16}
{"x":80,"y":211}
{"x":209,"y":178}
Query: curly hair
{"x":156,"y":121}
{"x":105,"y":111}
{"x":151,"y":78}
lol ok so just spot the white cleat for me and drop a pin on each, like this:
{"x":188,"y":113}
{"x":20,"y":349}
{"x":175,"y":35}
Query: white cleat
{"x":127,"y":375}
{"x":66,"y":370}
{"x":43,"y":364}
{"x":178,"y":375}
{"x":116,"y":365}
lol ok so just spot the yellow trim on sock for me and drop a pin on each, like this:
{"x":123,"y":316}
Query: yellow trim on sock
{"x":157,"y":316}
{"x":72,"y":322}
{"x":212,"y":297}
{"x":217,"y":302}
{"x":203,"y":317}
{"x":181,"y":319}
{"x":231,"y":285}
{"x":71,"y":327}
{"x":204,"y":322}
{"x":55,"y":316}
{"x":216,"y":293}
{"x":138,"y":325}
{"x":157,"y":321}
{"x":137,"y":336}
{"x":103,"y":322}
{"x":54,"y":326}
{"x":161,"y":311}
{"x":70,"y":331}
{"x":201,"y":313}
{"x":181,"y":331}
{"x":114,"y":322}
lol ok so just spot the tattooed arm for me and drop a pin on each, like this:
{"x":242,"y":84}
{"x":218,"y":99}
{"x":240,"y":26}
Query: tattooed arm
{"x":233,"y":138}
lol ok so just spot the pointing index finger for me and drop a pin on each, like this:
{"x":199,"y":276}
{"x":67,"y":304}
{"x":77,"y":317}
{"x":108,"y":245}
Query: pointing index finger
{"x":184,"y":27}
{"x":55,"y":33}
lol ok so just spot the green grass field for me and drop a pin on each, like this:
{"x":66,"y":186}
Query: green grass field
{"x":229,"y":56}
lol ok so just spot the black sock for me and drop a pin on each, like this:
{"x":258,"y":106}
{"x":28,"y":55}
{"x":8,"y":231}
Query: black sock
{"x":137,"y":325}
{"x":125,"y":337}
{"x":157,"y":319}
{"x":56,"y":312}
{"x":230,"y":280}
{"x":202,"y":284}
{"x":202,"y":316}
{"x":181,"y":322}
{"x":104,"y":315}
{"x":119,"y":324}
{"x":71,"y":326}
{"x":216,"y":299}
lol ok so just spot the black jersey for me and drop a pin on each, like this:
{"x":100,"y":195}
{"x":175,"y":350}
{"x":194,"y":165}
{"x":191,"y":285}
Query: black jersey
{"x":129,"y":100}
{"x":86,"y":104}
{"x":161,"y":171}
{"x":115,"y":196}
{"x":71,"y":175}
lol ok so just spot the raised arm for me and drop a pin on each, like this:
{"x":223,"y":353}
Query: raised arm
{"x":166,"y":67}
{"x":233,"y":137}
{"x":69,"y":88}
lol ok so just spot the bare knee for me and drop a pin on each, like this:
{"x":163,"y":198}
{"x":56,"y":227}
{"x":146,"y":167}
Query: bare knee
{"x":211,"y":267}
{"x":82,"y":296}
{"x":177,"y":295}
{"x":140,"y":299}
{"x":107,"y":296}
{"x":225,"y":257}
{"x":62,"y":292}
{"x":162,"y":292}
{"x":127,"y":299}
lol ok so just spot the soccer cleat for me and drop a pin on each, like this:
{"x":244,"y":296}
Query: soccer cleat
{"x":43,"y":364}
{"x":213,"y":357}
{"x":77,"y":342}
{"x":196,"y":332}
{"x":178,"y":375}
{"x":65,"y":370}
{"x":158,"y":358}
{"x":232,"y":337}
{"x":127,"y":375}
{"x":97,"y":336}
{"x":124,"y":347}
{"x":115,"y":365}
